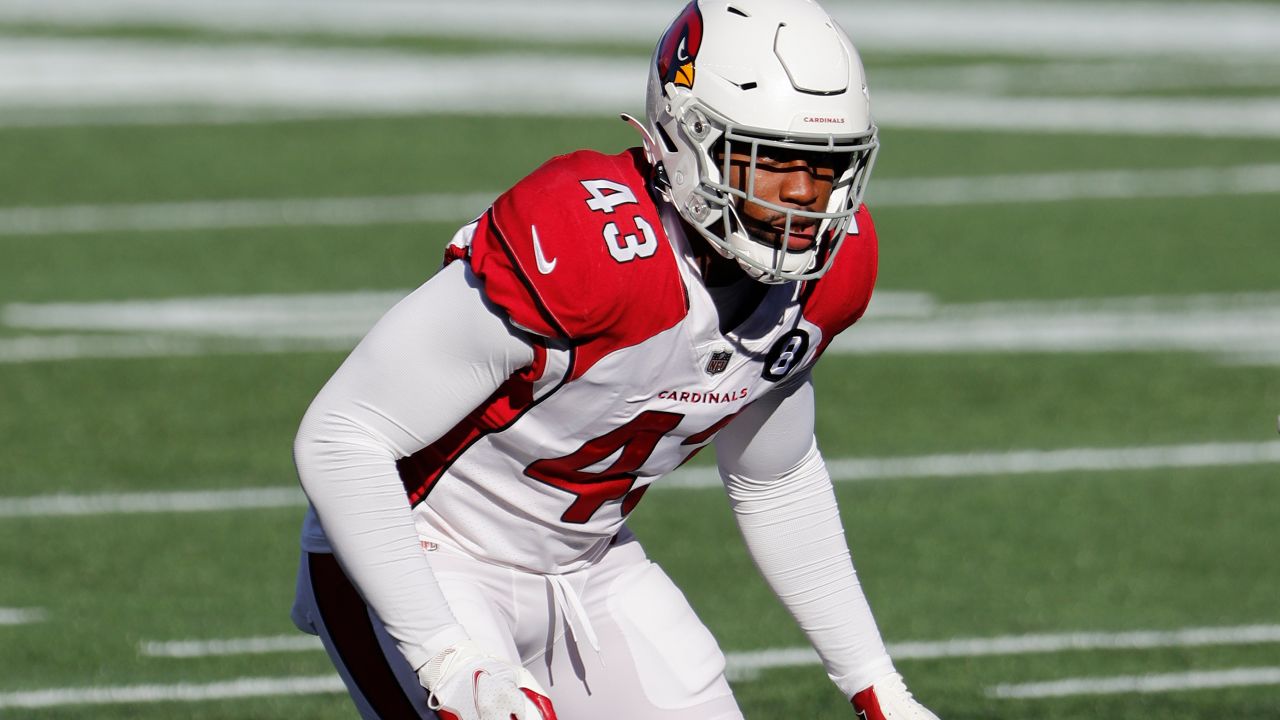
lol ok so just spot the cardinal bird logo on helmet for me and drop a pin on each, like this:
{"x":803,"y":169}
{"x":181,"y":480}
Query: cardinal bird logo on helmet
{"x":679,"y":48}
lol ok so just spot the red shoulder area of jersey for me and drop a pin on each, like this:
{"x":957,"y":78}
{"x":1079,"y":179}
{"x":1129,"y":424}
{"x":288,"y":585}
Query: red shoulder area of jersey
{"x":836,"y":300}
{"x":577,"y":250}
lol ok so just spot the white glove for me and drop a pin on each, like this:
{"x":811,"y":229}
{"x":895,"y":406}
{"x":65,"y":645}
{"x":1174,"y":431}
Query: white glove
{"x":889,"y":699}
{"x":463,"y":683}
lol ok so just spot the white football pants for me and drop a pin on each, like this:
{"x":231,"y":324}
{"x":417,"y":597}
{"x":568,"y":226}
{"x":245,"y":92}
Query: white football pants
{"x":617,"y":640}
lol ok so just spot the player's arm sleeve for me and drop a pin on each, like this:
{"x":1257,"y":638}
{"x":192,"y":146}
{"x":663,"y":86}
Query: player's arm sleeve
{"x":785,"y":506}
{"x":424,"y":366}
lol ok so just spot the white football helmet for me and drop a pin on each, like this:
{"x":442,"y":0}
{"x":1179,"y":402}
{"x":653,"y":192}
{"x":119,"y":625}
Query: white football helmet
{"x":747,"y":76}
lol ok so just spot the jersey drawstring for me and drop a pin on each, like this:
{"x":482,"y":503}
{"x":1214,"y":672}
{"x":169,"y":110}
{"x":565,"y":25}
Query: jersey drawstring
{"x":570,"y":606}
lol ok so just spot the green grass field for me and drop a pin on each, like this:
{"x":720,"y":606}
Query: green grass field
{"x":969,"y":554}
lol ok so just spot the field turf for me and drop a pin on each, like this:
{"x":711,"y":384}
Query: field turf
{"x":978,"y":555}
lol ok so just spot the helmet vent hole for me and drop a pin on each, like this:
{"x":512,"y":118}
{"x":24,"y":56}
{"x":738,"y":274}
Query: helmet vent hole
{"x":748,"y":86}
{"x":736,"y":11}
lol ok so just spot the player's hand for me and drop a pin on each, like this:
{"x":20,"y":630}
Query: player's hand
{"x":466,"y":684}
{"x":889,"y":699}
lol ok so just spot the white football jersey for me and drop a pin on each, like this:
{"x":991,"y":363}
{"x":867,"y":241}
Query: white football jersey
{"x":631,"y":374}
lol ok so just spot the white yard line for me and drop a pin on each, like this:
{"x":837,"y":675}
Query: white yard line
{"x":319,"y":315}
{"x":1140,"y":684}
{"x":45,"y":348}
{"x":232,"y":214}
{"x":297,"y":642}
{"x":1070,"y":186}
{"x":98,"y":504}
{"x":1237,"y":328}
{"x":327,"y":684}
{"x":741,"y":666}
{"x":1223,"y":325}
{"x":68,"y":81}
{"x":20,"y":616}
{"x":1079,"y":77}
{"x":1027,"y":462}
{"x":462,"y":207}
{"x":66,"y":77}
{"x":975,"y":465}
{"x":181,"y":692}
{"x":1034,"y":28}
{"x":745,"y":662}
{"x":745,"y":665}
{"x":1058,"y":642}
{"x":1202,"y":117}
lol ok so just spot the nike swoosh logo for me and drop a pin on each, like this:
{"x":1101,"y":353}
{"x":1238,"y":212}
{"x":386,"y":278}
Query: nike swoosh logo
{"x":544,"y":266}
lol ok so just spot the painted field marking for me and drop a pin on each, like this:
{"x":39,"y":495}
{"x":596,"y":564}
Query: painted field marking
{"x":1035,"y":28}
{"x":745,"y":662}
{"x":346,"y":316}
{"x":239,"y":214}
{"x":1072,"y":186}
{"x":63,"y":505}
{"x":297,"y":642}
{"x":1256,"y":117}
{"x":39,"y":80}
{"x":20,"y":616}
{"x":327,"y":684}
{"x":1027,"y":462}
{"x":1059,"y":642}
{"x":1220,"y":325}
{"x":746,"y":665}
{"x":1083,"y":77}
{"x":1237,"y":328}
{"x":742,"y":666}
{"x":1247,"y":117}
{"x":180,"y":692}
{"x":1140,"y":684}
{"x":46,"y":348}
{"x":1263,"y":179}
{"x":56,"y":82}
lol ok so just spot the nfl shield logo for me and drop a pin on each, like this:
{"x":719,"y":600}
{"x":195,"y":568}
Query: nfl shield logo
{"x":719,"y":361}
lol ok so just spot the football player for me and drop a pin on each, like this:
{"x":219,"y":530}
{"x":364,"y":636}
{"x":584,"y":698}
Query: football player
{"x":471,"y":466}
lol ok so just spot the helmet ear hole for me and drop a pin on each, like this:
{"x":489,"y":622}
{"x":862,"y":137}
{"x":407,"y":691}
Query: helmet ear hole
{"x":667,"y":142}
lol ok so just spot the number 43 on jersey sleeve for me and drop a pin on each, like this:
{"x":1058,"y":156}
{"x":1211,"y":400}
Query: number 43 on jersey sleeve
{"x":577,"y":251}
